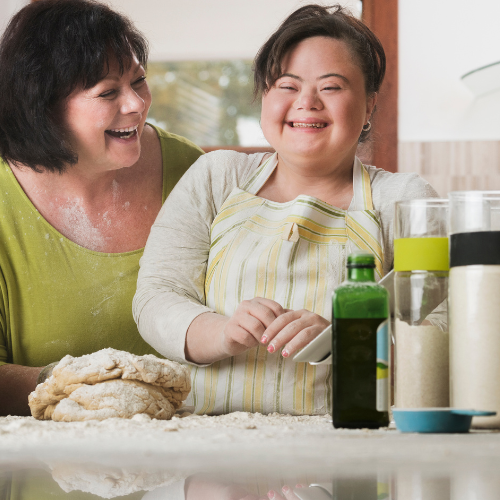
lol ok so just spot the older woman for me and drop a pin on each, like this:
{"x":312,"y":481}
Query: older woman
{"x":239,"y":269}
{"x":83,"y":177}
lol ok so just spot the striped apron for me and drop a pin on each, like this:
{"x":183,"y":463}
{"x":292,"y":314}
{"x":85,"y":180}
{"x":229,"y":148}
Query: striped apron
{"x":293,"y":253}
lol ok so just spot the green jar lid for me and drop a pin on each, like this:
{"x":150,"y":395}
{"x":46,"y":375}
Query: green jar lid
{"x":421,"y":254}
{"x":361,"y":259}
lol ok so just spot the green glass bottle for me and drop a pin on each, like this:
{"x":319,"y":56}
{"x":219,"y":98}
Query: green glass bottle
{"x":360,"y":347}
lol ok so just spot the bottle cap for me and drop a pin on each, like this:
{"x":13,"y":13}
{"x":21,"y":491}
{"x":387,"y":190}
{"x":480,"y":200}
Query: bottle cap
{"x":361,"y":259}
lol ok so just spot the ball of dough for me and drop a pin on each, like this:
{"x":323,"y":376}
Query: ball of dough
{"x":111,"y":383}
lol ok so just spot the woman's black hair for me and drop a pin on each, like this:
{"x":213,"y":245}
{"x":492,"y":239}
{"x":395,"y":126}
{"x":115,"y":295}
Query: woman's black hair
{"x":317,"y":20}
{"x":50,"y":48}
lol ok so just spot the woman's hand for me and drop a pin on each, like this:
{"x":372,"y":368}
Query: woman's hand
{"x":293,"y":330}
{"x":212,"y":337}
{"x":248,"y":324}
{"x":201,"y":488}
{"x":287,"y":492}
{"x":16,"y":383}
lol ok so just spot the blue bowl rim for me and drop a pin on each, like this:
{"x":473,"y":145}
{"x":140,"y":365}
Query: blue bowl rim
{"x":453,"y":411}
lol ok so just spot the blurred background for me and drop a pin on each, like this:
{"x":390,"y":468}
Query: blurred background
{"x":438,"y":109}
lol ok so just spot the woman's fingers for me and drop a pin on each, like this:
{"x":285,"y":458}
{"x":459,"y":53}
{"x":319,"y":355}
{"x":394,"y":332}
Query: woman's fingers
{"x":254,"y":326}
{"x":266,"y":310}
{"x":274,"y":495}
{"x":264,"y":320}
{"x":248,"y":323}
{"x":293,"y":330}
{"x":286,"y":493}
{"x":289,"y":493}
{"x":299,"y":341}
{"x":278,"y":324}
{"x":257,"y":315}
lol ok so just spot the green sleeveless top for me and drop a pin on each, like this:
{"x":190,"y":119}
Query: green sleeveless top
{"x":58,"y":298}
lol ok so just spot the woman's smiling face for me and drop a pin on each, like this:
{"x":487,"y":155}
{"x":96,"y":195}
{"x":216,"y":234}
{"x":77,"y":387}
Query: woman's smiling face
{"x":318,"y":106}
{"x":104,"y":123}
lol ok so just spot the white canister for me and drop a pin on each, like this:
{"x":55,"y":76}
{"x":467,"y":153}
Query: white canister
{"x":474,"y":303}
{"x":421,"y":264}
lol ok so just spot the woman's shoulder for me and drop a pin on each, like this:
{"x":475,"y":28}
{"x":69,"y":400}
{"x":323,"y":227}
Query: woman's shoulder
{"x":173,"y":145}
{"x":225,"y":169}
{"x":172,"y":138}
{"x":388,"y":187}
{"x":232,"y":163}
{"x":214,"y":175}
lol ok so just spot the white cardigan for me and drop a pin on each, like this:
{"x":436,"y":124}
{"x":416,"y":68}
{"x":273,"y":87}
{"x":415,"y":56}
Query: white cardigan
{"x":171,"y":285}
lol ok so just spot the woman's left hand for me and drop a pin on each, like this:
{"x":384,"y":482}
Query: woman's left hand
{"x":293,"y":330}
{"x":287,"y":493}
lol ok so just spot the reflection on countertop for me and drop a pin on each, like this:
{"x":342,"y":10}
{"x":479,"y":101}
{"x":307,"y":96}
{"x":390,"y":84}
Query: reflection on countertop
{"x":241,"y":456}
{"x":94,"y":481}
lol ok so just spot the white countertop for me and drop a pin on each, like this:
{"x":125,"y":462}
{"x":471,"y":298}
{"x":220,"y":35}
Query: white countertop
{"x":153,"y":458}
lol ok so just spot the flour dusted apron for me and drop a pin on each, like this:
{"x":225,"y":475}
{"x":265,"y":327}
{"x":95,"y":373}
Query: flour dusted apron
{"x":293,"y":253}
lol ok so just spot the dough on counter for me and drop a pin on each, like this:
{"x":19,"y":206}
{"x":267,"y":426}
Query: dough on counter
{"x":111,"y":383}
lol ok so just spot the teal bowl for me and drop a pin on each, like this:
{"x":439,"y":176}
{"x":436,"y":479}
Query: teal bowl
{"x":436,"y":420}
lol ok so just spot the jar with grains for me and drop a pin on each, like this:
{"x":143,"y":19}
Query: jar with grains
{"x":474,"y":305}
{"x":421,"y":265}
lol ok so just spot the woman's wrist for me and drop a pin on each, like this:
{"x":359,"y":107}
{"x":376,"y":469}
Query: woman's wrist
{"x":204,"y":339}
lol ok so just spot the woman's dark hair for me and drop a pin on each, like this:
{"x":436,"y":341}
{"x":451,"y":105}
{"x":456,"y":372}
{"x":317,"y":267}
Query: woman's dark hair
{"x":316,"y":20}
{"x":50,"y":48}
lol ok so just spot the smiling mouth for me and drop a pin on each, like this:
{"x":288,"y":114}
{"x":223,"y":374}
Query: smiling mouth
{"x":123,"y":133}
{"x":307,"y":125}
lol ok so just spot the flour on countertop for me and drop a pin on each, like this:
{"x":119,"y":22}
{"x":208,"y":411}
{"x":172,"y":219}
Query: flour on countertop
{"x":236,"y":443}
{"x":142,"y":427}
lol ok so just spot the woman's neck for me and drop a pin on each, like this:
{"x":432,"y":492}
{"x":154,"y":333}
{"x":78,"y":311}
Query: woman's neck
{"x":111,"y":211}
{"x":71,"y":185}
{"x":328,"y":182}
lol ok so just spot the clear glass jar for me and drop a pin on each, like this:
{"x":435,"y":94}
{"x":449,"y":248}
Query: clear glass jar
{"x":474,"y":303}
{"x":421,"y":264}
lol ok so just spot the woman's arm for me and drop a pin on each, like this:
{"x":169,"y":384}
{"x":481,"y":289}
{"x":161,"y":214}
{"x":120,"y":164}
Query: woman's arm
{"x":169,"y":303}
{"x":16,"y":383}
{"x":171,"y":284}
{"x":212,"y":337}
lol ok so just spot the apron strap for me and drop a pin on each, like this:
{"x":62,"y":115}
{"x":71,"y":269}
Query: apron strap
{"x":362,"y":199}
{"x":259,"y":178}
{"x":361,"y":187}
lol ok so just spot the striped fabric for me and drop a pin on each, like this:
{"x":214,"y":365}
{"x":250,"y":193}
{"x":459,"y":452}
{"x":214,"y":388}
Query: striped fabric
{"x":293,"y":253}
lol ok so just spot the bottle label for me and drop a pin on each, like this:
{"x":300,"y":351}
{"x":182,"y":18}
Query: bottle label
{"x":383,"y":366}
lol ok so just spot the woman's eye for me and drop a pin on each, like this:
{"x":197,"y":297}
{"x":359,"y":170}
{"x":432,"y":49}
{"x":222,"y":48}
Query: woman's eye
{"x":108,"y":93}
{"x":140,"y":80}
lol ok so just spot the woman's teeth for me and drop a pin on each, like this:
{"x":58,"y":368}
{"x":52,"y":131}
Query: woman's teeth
{"x":123,"y":133}
{"x":309,"y":125}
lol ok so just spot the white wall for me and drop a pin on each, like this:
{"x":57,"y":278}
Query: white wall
{"x":7,"y":9}
{"x":200,"y":29}
{"x":209,"y":29}
{"x":441,"y":40}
